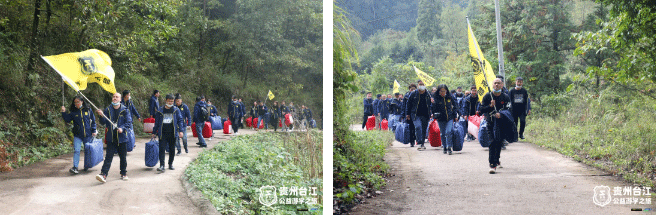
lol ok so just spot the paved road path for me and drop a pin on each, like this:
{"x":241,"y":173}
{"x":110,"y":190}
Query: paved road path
{"x":48,"y":188}
{"x":533,"y":181}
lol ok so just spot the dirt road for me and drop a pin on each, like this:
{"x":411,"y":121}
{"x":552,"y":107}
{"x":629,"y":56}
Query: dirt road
{"x":48,"y":188}
{"x":533,"y":180}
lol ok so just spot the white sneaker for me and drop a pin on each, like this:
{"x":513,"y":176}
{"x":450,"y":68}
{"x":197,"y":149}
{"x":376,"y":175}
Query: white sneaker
{"x":493,"y":170}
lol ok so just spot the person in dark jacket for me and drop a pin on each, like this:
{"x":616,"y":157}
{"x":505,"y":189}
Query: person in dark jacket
{"x":418,"y":110}
{"x":520,"y":105}
{"x":84,"y":127}
{"x":169,"y":124}
{"x":491,"y":104}
{"x":368,"y":109}
{"x":411,"y":88}
{"x":127,"y":101}
{"x":253,"y":111}
{"x":234,"y":113}
{"x":117,"y":138}
{"x":469,"y":107}
{"x":153,"y":104}
{"x":242,"y":114}
{"x":186,"y":117}
{"x":307,"y":115}
{"x":274,"y":112}
{"x":445,"y":112}
{"x":213,"y":110}
{"x":261,"y":114}
{"x":383,"y":109}
{"x":198,"y":119}
{"x":395,"y":110}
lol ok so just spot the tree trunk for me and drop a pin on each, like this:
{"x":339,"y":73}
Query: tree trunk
{"x":33,"y":44}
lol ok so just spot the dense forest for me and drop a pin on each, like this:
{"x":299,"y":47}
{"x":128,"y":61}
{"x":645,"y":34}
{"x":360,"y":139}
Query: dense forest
{"x":588,"y":67}
{"x":217,"y":48}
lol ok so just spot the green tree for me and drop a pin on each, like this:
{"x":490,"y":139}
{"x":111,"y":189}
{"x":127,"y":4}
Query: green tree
{"x":428,"y":23}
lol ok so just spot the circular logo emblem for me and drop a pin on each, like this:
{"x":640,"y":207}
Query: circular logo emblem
{"x":87,"y":65}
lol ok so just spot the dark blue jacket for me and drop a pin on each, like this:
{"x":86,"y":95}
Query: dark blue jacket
{"x":375,"y":104}
{"x":307,"y":113}
{"x":261,"y":110}
{"x":383,"y":108}
{"x":470,"y":106}
{"x":275,"y":112}
{"x":186,"y":114}
{"x":284,"y":109}
{"x":395,"y":107}
{"x":445,"y":107}
{"x":412,"y":104}
{"x":243,"y":110}
{"x":502,"y":103}
{"x":123,"y":121}
{"x":234,"y":109}
{"x":178,"y":122}
{"x":198,"y":112}
{"x":153,"y":105}
{"x":213,"y":111}
{"x":368,"y":107}
{"x":84,"y":123}
{"x":131,"y":108}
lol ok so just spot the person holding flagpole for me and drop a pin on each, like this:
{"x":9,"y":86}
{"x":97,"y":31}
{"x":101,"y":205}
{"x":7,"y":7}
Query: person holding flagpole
{"x":84,"y":127}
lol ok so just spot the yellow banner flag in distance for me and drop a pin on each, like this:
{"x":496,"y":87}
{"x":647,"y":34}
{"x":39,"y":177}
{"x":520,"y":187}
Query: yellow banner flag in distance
{"x":270,"y":95}
{"x":396,"y":87}
{"x":424,"y":77}
{"x":80,"y":68}
{"x":480,"y":73}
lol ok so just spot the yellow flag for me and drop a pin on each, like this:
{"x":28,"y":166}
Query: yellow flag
{"x":80,"y":68}
{"x":424,"y":77}
{"x":396,"y":87}
{"x":480,"y":73}
{"x":270,"y":95}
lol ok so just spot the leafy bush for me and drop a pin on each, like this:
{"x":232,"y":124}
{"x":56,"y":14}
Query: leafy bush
{"x":607,"y":130}
{"x":231,"y":174}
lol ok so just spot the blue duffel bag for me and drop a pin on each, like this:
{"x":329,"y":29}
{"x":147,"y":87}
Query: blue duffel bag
{"x":131,"y":140}
{"x":484,"y":134}
{"x":402,"y":133}
{"x":93,"y":153}
{"x":216,"y":123}
{"x":152,"y":153}
{"x":458,"y":137}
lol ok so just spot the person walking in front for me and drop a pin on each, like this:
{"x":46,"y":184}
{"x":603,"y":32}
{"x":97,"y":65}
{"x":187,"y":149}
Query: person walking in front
{"x":199,"y":118}
{"x":445,"y":112}
{"x":490,"y":106}
{"x":168,"y":127}
{"x":418,"y":110}
{"x":119,"y":122}
{"x":84,"y":127}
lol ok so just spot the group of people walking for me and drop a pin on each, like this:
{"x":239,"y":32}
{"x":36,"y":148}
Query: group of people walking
{"x":418,"y":105}
{"x":171,"y":122}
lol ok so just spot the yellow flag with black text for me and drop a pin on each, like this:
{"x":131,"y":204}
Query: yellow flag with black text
{"x":396,"y":87}
{"x":270,"y":95}
{"x":482,"y":68}
{"x":80,"y":68}
{"x":424,"y":77}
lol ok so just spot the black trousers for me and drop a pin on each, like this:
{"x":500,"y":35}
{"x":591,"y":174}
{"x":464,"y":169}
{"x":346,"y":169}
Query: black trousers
{"x":167,"y":141}
{"x":364,"y":120}
{"x":495,"y":152}
{"x":522,"y":122}
{"x":235,"y":124}
{"x":274,"y":123}
{"x":112,"y":148}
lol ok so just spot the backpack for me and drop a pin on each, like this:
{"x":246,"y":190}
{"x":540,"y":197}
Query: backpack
{"x":205,"y":113}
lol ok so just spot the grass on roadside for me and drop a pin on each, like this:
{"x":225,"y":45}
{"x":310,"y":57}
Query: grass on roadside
{"x":230,"y":174}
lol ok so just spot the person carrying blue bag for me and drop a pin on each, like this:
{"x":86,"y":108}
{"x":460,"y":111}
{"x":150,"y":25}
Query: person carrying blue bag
{"x":234,"y":113}
{"x":445,"y":112}
{"x":127,"y":101}
{"x":84,"y":127}
{"x":490,"y":106}
{"x":120,"y":121}
{"x":168,"y":127}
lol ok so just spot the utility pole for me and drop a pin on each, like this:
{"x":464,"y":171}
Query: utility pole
{"x":502,"y":70}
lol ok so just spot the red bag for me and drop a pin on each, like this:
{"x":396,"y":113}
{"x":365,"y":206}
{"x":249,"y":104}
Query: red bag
{"x":476,"y":120}
{"x":254,"y":123}
{"x":226,"y":126}
{"x":383,"y":124}
{"x":288,"y":119}
{"x":149,"y":124}
{"x":371,"y":122}
{"x":280,"y":123}
{"x":434,"y":134}
{"x":207,"y":130}
{"x":249,"y":120}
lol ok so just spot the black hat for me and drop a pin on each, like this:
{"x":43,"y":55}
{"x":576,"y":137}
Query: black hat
{"x":520,"y":78}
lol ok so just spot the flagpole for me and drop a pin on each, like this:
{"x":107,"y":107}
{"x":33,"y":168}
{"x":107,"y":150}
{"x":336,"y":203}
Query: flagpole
{"x":480,"y":61}
{"x":94,"y":106}
{"x":502,"y":70}
{"x":63,"y":89}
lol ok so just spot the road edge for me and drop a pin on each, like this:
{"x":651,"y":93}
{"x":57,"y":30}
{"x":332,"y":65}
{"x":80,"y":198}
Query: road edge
{"x":196,"y":197}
